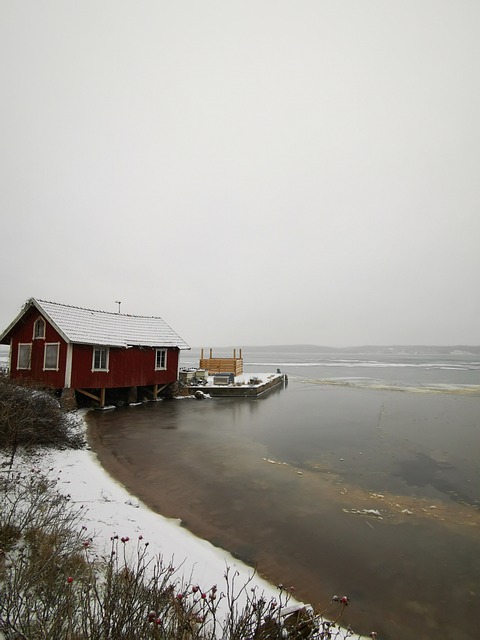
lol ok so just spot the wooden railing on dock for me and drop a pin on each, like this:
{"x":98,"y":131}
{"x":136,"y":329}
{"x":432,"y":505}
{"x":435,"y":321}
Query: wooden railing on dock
{"x":222,"y":365}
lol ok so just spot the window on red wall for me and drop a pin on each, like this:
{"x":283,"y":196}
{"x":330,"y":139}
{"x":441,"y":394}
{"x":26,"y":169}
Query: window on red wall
{"x":39,"y":328}
{"x":100,"y":359}
{"x":24,"y":356}
{"x":160,"y":359}
{"x":50,"y":360}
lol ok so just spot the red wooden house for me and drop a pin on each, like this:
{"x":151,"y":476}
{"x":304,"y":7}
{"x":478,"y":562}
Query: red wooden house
{"x":95,"y":353}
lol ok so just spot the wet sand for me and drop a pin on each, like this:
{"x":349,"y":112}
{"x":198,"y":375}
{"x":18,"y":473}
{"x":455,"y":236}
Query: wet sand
{"x":409,"y":568}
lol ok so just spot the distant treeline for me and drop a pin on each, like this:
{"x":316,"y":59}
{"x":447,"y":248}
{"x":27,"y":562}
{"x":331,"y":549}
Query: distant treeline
{"x":363,"y":349}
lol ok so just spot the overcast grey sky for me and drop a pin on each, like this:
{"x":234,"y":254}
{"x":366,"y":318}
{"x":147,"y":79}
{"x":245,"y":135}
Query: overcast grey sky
{"x":255,"y":172}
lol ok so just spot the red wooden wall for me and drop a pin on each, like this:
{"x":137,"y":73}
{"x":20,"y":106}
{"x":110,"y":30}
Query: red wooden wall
{"x":132,"y":367}
{"x":23,"y":333}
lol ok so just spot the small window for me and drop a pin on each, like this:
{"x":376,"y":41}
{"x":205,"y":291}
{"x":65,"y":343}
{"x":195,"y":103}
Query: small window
{"x":100,"y":359}
{"x":160,"y":359}
{"x":39,"y":328}
{"x":50,"y":359}
{"x":24,"y":357}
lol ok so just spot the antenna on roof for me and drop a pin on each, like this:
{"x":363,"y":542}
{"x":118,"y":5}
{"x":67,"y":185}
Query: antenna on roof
{"x":119,"y":303}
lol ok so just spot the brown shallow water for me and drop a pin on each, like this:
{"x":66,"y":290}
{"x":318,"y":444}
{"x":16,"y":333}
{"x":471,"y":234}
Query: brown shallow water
{"x":295,"y":492}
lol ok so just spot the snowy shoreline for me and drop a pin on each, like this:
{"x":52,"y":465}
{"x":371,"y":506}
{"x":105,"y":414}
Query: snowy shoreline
{"x":109,"y":509}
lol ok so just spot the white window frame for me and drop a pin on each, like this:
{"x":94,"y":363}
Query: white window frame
{"x":35,"y":325}
{"x":163,"y":358}
{"x":20,"y":345}
{"x":46,"y":348}
{"x":107,"y":359}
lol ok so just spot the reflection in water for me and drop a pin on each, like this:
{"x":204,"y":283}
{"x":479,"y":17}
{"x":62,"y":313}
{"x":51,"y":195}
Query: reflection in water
{"x":423,"y":471}
{"x":290,"y":483}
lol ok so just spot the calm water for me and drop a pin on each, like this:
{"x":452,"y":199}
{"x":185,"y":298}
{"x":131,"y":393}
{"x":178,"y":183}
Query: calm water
{"x":362,"y":477}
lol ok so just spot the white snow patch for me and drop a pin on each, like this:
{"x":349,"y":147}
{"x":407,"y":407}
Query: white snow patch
{"x":110,"y":510}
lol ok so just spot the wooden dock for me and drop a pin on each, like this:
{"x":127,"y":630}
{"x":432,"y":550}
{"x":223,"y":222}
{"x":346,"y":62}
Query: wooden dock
{"x":244,"y":386}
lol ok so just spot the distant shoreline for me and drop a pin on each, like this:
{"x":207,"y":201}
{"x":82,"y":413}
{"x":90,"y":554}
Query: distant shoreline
{"x":395,"y":349}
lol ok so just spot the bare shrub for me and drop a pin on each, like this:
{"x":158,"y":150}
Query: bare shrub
{"x":30,"y":415}
{"x":43,"y":549}
{"x":54,"y":583}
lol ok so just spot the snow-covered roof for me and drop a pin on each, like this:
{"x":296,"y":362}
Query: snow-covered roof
{"x":88,"y":326}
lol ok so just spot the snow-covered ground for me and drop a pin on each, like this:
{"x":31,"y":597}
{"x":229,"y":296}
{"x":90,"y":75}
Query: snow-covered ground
{"x":110,"y":510}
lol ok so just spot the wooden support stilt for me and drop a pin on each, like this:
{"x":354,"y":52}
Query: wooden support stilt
{"x":157,"y":389}
{"x":88,"y":394}
{"x":102,"y":397}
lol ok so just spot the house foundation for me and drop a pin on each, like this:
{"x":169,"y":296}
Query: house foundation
{"x":68,"y":399}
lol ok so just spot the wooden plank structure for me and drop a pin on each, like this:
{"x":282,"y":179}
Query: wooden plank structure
{"x":222,"y":365}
